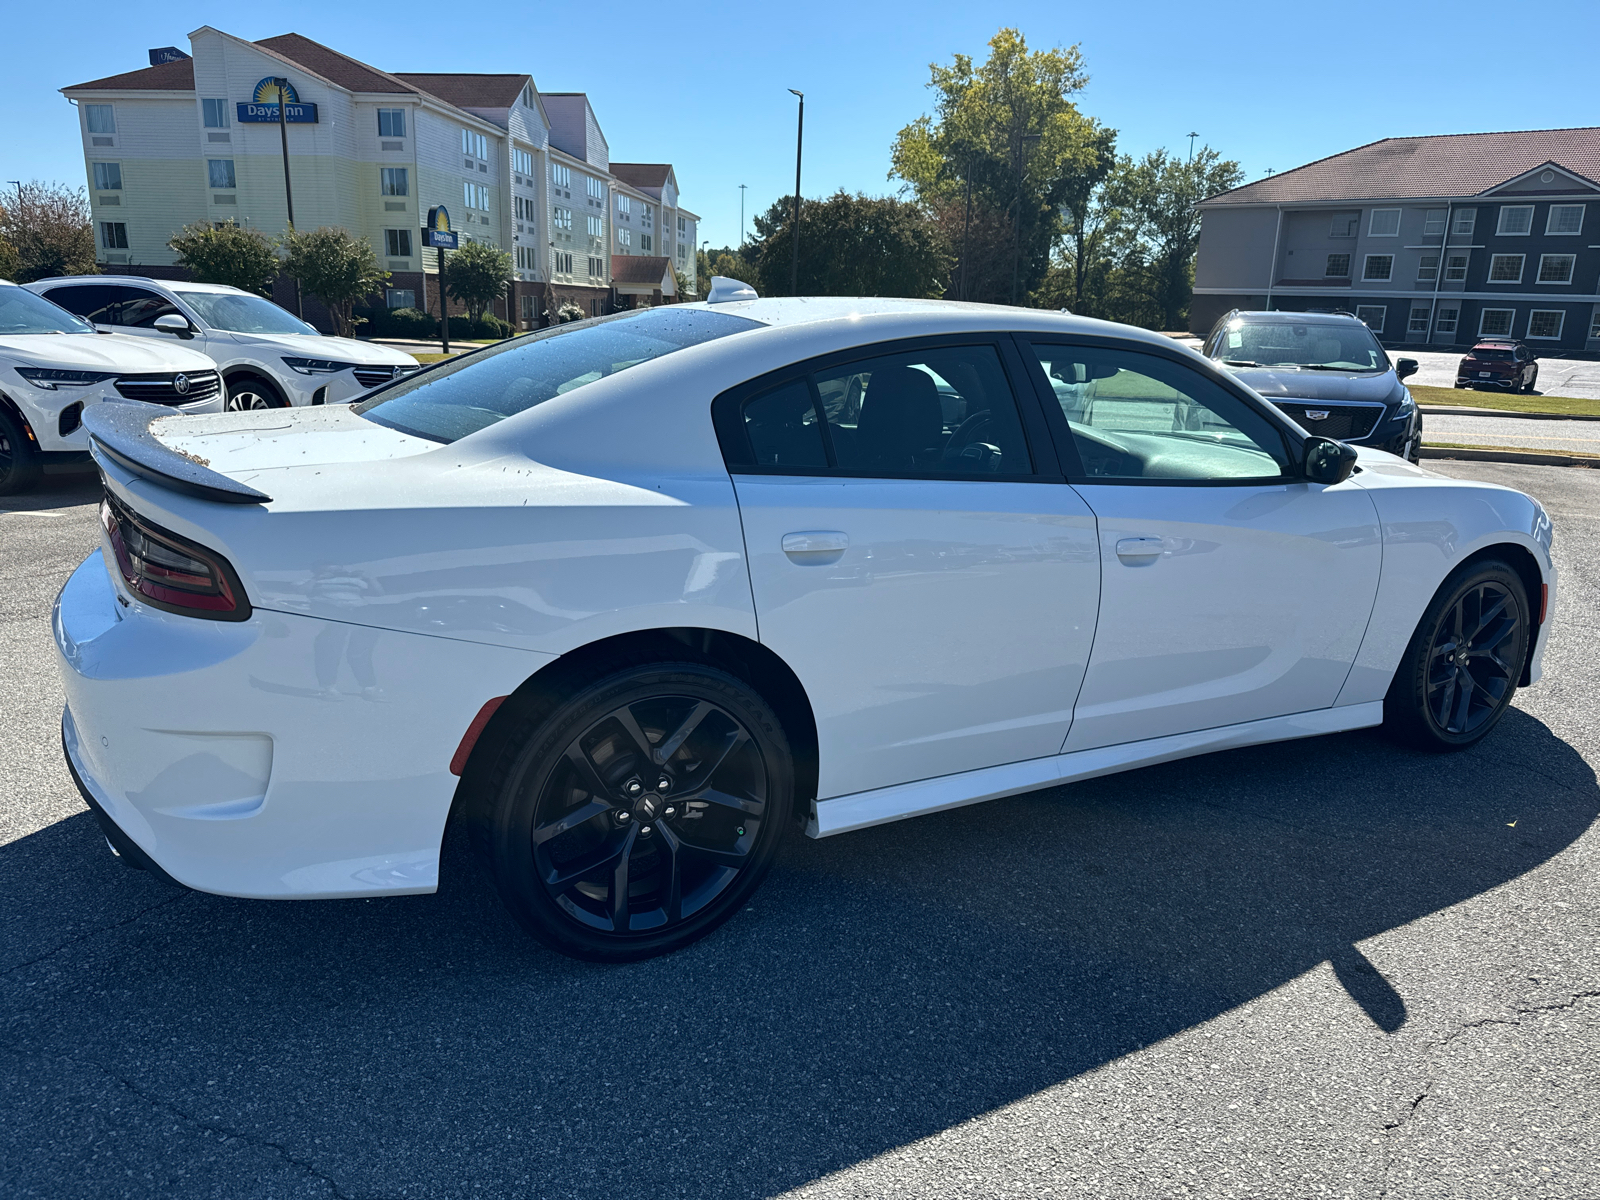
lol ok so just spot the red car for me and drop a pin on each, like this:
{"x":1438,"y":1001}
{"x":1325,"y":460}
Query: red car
{"x":1502,"y":363}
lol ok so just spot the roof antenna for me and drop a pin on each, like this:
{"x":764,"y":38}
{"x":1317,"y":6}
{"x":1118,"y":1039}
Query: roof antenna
{"x":725,"y":290}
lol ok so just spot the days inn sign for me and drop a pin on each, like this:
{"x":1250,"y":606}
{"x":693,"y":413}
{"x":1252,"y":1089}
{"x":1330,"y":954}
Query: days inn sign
{"x":262,"y":107}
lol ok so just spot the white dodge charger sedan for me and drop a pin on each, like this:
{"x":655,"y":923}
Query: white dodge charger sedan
{"x":630,"y":597}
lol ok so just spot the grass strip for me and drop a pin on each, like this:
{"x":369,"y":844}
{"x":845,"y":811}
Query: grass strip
{"x":1565,"y":406}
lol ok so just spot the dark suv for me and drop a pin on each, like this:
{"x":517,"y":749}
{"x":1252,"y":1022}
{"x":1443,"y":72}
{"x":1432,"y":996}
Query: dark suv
{"x":1326,"y":371}
{"x":1503,"y":363}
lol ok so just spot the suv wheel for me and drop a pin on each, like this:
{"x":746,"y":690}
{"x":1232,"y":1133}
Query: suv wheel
{"x":20,"y":465}
{"x":250,"y":393}
{"x":637,"y":815}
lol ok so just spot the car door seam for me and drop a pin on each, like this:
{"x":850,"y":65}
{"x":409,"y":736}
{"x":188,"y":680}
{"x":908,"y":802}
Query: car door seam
{"x":1377,"y":587}
{"x":744,"y":540}
{"x":1099,"y":600}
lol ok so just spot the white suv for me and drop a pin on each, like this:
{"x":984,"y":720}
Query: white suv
{"x":268,"y":357}
{"x":53,"y":364}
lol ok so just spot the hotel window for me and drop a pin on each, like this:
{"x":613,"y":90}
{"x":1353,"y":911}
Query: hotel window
{"x":474,"y":144}
{"x":395,"y":181}
{"x":99,"y":118}
{"x":401,"y":298}
{"x":562,"y":219}
{"x":1546,"y":324}
{"x":1418,"y":322}
{"x":683,"y":226}
{"x":1556,"y":268}
{"x":1466,"y":221}
{"x":1564,"y":219}
{"x":108,"y":177}
{"x":113,"y":235}
{"x":1385,"y":222}
{"x":1427,"y":268}
{"x":219,"y":173}
{"x":1594,"y":326}
{"x":1455,"y":267}
{"x":1433,"y":222}
{"x":597,"y":227}
{"x":563,"y":264}
{"x":521,"y":161}
{"x":644,"y":242}
{"x":1515,"y":220}
{"x":527,"y":95}
{"x":624,"y":204}
{"x":597,"y":188}
{"x":560,"y":176}
{"x":1338,"y":266}
{"x":1344,"y":225}
{"x":625,"y":237}
{"x":1496,"y":322}
{"x":1378,"y":267}
{"x":1505,"y":268}
{"x":1371,"y":315}
{"x":397,"y":243}
{"x":475,"y":195}
{"x":597,"y":267}
{"x":215,"y":113}
{"x":646,"y":215}
{"x":1445,"y":320}
{"x":392,"y":122}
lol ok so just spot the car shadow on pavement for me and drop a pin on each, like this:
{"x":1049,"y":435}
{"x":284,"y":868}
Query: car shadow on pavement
{"x":882,"y":987}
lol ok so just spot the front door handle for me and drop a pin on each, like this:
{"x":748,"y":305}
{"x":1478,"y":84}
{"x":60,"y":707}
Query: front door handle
{"x":815,"y":542}
{"x":1139,"y":547}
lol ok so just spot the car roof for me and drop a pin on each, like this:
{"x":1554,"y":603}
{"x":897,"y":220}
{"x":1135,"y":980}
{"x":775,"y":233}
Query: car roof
{"x":174,"y":285}
{"x":1298,"y":318}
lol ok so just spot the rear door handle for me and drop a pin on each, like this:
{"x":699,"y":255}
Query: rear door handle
{"x":815,"y":541}
{"x":1139,"y":547}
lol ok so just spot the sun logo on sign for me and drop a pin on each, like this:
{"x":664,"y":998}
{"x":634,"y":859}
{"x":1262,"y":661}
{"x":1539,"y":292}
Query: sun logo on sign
{"x":268,"y":92}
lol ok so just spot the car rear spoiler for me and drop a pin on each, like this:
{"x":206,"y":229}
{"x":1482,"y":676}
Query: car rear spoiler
{"x":121,"y":433}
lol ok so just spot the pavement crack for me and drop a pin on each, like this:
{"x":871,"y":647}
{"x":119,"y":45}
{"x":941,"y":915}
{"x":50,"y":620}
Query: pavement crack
{"x":94,"y":933}
{"x":1518,"y":1013}
{"x":1406,"y":1116}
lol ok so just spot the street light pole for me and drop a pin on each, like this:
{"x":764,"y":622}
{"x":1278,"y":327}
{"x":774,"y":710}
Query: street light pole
{"x":1192,"y":137}
{"x":282,"y":84}
{"x":966,"y":233}
{"x":741,"y":217}
{"x":799,"y":136}
{"x":1016,"y":223}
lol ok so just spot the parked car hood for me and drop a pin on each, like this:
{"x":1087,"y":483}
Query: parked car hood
{"x":1278,"y":383}
{"x":117,"y":352}
{"x":309,"y":345}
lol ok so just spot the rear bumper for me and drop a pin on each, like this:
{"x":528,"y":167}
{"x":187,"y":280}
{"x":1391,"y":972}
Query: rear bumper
{"x":280,"y":757}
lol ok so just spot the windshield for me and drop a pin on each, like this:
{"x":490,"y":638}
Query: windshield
{"x":23,"y":312}
{"x":1343,"y":346}
{"x":462,"y":397}
{"x":239,"y":313}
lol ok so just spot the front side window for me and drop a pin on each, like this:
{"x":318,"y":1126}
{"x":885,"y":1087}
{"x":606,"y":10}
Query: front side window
{"x":219,"y":172}
{"x":398,"y":243}
{"x":1140,"y":416}
{"x":1546,"y":323}
{"x":395,"y":181}
{"x":140,"y":308}
{"x":1378,"y":267}
{"x":99,"y":118}
{"x":1515,"y":220}
{"x":1505,"y":268}
{"x":1385,"y":222}
{"x":1496,"y":322}
{"x":237,"y":312}
{"x":215,"y":113}
{"x":1372,"y":316}
{"x":108,"y":177}
{"x":1556,"y":268}
{"x":392,"y":122}
{"x":1338,"y":266}
{"x":456,"y":399}
{"x":113,"y":235}
{"x":1564,"y":219}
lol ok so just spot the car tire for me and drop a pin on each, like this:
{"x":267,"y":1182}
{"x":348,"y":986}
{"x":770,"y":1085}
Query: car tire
{"x":610,"y":850}
{"x":1462,"y":665}
{"x":21,"y":468}
{"x":251,"y":393}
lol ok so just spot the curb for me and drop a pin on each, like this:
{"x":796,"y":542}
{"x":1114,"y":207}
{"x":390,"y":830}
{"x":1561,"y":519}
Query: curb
{"x":1524,"y":457}
{"x":1453,"y":410}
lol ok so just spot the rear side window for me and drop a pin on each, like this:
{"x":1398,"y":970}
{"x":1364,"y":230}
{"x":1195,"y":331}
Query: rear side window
{"x":92,"y":301}
{"x":462,"y":397}
{"x":938,"y":412}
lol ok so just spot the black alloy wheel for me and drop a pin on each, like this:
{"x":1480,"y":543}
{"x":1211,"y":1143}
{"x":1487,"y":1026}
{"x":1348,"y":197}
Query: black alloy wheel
{"x":1462,"y":667}
{"x":640,"y":814}
{"x":20,"y":465}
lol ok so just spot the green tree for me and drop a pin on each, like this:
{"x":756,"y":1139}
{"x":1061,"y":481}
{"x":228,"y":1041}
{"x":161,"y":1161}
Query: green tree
{"x":47,"y":226}
{"x":223,"y":252}
{"x":1010,"y":127}
{"x":478,"y":275}
{"x":730,"y":263}
{"x":10,"y":261}
{"x":852,"y":246}
{"x":336,"y":267}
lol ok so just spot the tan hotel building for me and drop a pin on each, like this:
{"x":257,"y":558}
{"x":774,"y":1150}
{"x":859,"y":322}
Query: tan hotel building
{"x":189,"y":140}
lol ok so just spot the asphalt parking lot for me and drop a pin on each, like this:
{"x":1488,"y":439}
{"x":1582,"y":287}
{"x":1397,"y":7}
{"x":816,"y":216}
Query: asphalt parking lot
{"x":1317,"y":968}
{"x":1557,"y":376}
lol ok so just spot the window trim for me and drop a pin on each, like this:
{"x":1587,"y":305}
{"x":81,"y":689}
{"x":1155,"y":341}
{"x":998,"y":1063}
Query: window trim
{"x":110,"y":187}
{"x":1550,"y":220}
{"x":1329,"y":273}
{"x":1522,"y":266}
{"x":1372,"y":218}
{"x":1383,"y":316}
{"x":390,"y":113}
{"x":1500,"y":229}
{"x":1366,"y":269}
{"x":1572,"y":271}
{"x":1464,"y":223}
{"x":1411,"y":319}
{"x":727,"y":411}
{"x":1439,"y":318}
{"x":1561,"y":326}
{"x":1510,"y":328}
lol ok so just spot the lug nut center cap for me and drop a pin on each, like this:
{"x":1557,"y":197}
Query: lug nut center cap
{"x":647,"y":807}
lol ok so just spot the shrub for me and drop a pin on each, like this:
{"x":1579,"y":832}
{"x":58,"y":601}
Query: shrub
{"x":227,"y":253}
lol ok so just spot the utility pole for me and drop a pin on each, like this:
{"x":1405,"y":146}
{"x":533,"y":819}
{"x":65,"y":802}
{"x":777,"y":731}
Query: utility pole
{"x":741,"y":218}
{"x":282,"y":84}
{"x":1192,"y":137}
{"x":799,"y":136}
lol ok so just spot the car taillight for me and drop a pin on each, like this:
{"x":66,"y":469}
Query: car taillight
{"x":171,"y":572}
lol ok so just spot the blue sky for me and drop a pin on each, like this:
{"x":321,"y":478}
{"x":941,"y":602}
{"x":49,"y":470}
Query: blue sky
{"x":703,"y":85}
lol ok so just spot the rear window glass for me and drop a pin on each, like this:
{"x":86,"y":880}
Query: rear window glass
{"x":457,"y":398}
{"x":1488,"y":355}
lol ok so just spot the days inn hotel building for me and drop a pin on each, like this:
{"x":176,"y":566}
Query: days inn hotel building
{"x":197,"y":138}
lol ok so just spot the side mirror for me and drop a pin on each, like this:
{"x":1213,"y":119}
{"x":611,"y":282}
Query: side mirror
{"x":1405,"y":367}
{"x":173,"y":323}
{"x":1328,"y":461}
